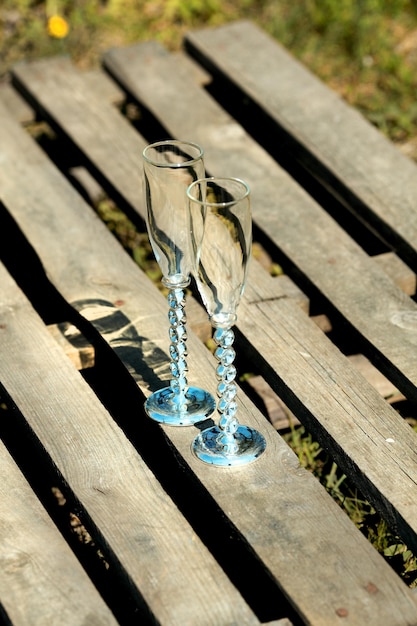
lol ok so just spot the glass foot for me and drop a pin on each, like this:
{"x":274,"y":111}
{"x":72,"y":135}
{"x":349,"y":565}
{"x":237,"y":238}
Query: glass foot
{"x":249,"y":444}
{"x":167,"y":407}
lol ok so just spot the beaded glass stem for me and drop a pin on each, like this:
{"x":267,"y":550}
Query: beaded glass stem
{"x":221,"y":235}
{"x":226,"y":389}
{"x":169,"y":167}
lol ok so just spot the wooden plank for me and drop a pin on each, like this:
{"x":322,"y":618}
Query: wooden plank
{"x":377,"y":380}
{"x":199,"y":74}
{"x":139,"y":522}
{"x":398,"y":271}
{"x":16,"y":104}
{"x":127,"y":145}
{"x":379,"y":498}
{"x":163,"y":56}
{"x":279,"y":509}
{"x":347,"y":153}
{"x":104,"y":88}
{"x":41,"y":581}
{"x":79,"y":350}
{"x":147,"y":86}
{"x":366,"y":436}
{"x":308,"y":237}
{"x":80,"y":111}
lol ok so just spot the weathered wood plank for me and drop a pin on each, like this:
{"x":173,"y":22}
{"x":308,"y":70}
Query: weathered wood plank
{"x":268,"y":349}
{"x":288,"y":519}
{"x":127,"y":146}
{"x":346,"y":152}
{"x":377,"y":380}
{"x":80,"y":111}
{"x":75,"y":345}
{"x":361,"y":285}
{"x":139,"y":522}
{"x":310,"y":239}
{"x":41,"y":581}
{"x":398,"y":271}
{"x":366,"y":436}
{"x":16,"y":104}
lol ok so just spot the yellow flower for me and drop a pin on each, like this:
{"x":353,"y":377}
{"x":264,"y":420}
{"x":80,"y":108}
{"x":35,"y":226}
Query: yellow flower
{"x":57,"y":27}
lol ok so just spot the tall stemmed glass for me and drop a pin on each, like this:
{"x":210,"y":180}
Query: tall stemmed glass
{"x":221,"y":240}
{"x":169,"y":167}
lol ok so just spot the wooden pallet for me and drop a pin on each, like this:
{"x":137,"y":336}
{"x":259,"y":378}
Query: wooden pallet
{"x":181,"y":542}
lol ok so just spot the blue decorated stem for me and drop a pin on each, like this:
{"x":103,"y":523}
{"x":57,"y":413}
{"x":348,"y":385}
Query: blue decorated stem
{"x":178,"y":349}
{"x":226,"y":389}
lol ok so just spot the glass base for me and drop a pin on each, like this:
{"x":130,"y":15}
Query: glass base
{"x":250,"y":445}
{"x":163,"y":406}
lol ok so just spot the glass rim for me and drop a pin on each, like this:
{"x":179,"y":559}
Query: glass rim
{"x":175,"y":142}
{"x":241,"y":182}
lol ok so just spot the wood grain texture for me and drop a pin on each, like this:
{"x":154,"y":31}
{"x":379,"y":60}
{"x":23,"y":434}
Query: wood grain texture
{"x":363,"y":289}
{"x":279,"y":509}
{"x":346,"y":152}
{"x":398,"y":271}
{"x":309,"y":238}
{"x":41,"y":581}
{"x":370,"y":441}
{"x":91,"y":127}
{"x":138,"y":521}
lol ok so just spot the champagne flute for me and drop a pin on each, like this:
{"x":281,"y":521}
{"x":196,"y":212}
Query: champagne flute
{"x":221,"y":241}
{"x":169,"y":167}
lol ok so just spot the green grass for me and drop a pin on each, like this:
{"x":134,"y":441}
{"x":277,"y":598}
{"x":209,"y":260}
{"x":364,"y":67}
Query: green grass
{"x":364,"y":49}
{"x":312,"y":457}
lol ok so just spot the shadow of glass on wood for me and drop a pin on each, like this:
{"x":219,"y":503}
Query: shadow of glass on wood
{"x":4,"y":618}
{"x":145,"y":361}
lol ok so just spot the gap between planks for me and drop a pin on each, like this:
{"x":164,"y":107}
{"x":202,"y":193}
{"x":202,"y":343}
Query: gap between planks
{"x":82,"y":355}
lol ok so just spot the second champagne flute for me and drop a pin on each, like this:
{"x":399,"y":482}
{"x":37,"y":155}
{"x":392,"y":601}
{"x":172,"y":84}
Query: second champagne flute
{"x":169,"y":167}
{"x":221,"y":237}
